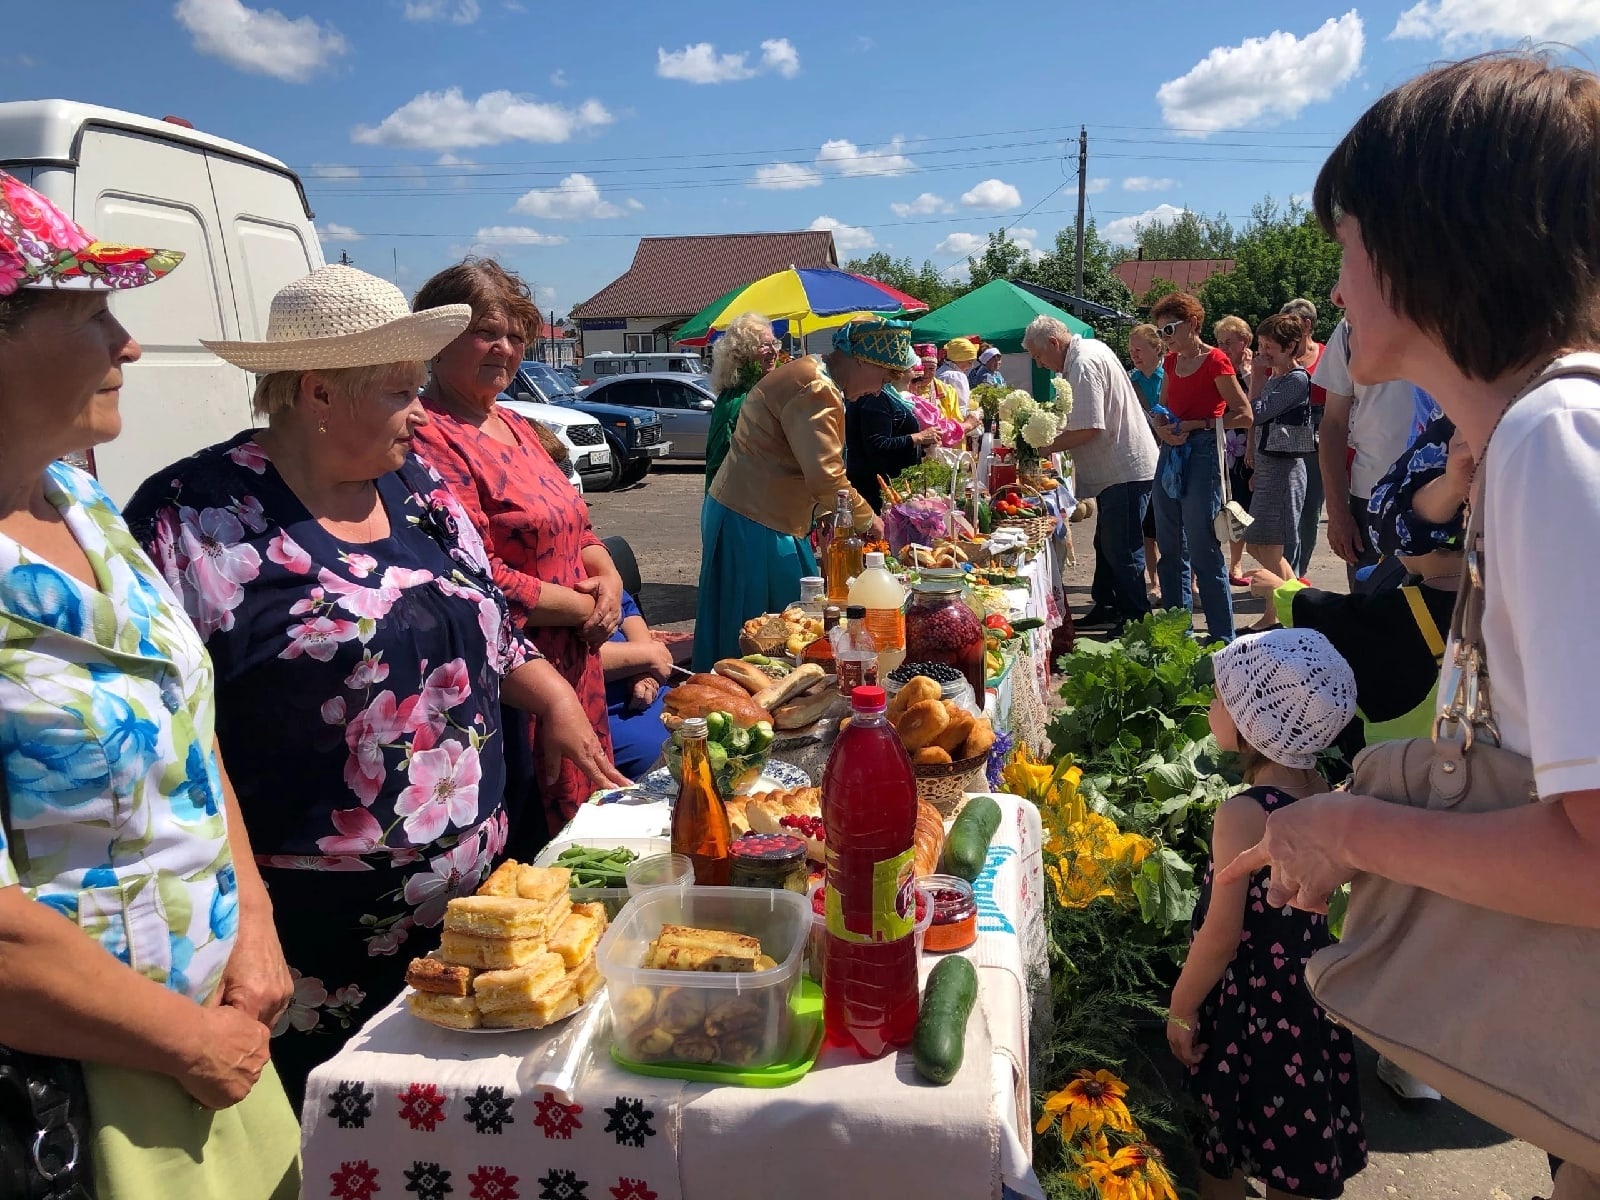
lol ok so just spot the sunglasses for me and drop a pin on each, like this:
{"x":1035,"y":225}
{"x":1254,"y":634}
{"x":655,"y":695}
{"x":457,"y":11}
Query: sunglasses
{"x":1170,"y":328}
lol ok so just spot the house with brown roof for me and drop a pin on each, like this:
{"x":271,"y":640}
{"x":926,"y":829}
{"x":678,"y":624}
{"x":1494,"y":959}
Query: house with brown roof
{"x":1187,"y":273}
{"x":672,"y":278}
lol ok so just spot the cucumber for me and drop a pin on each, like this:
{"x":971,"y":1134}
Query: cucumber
{"x":941,"y":1034}
{"x":968,"y":842}
{"x":761,"y":736}
{"x":1023,"y":624}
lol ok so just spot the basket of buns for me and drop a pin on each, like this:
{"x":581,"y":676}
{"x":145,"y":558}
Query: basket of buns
{"x":949,"y":747}
{"x":783,"y":634}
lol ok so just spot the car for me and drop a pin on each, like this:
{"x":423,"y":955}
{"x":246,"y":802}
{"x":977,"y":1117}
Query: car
{"x":588,"y":452}
{"x":635,"y":438}
{"x":683,"y":402}
{"x":603,"y":365}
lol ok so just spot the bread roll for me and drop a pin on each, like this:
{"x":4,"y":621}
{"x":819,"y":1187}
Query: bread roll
{"x":452,"y":1012}
{"x":929,"y":840}
{"x":933,"y":756}
{"x":790,"y":686}
{"x":488,"y":953}
{"x":720,"y":683}
{"x":954,"y":735}
{"x":747,"y":675}
{"x":980,"y":739}
{"x":921,"y":723}
{"x":804,"y":709}
{"x":696,"y":700}
{"x":917,"y":689}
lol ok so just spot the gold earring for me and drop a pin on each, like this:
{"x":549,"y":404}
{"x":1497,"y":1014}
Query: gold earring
{"x":322,"y":426}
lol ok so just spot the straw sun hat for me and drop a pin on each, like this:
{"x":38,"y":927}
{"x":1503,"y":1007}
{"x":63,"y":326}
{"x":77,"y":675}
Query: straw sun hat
{"x":338,"y":317}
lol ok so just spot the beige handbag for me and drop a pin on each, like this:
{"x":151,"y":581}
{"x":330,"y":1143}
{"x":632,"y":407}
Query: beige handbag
{"x":1231,"y":520}
{"x":1500,"y":1013}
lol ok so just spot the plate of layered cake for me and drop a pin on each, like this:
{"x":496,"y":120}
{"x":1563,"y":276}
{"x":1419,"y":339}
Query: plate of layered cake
{"x":517,"y":955}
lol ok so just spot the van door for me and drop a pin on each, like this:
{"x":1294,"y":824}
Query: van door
{"x":268,"y":238}
{"x":140,"y":190}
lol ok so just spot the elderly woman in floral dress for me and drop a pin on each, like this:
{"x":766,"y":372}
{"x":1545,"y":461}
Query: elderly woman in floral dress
{"x":361,"y":648}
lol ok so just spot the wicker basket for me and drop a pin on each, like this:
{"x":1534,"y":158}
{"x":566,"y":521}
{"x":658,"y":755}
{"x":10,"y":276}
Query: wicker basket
{"x":943,"y":785}
{"x":1039,"y":530}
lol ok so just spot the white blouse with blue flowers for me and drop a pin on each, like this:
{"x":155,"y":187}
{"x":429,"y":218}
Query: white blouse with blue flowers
{"x":108,"y":775}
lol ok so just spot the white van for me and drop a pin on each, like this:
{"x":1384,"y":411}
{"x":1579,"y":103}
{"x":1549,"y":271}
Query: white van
{"x":605,"y":364}
{"x":241,"y":219}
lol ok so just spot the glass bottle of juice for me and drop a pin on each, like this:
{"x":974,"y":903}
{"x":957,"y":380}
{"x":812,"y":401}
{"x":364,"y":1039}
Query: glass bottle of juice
{"x":844,"y":550}
{"x":882,"y":595}
{"x":869,"y":810}
{"x":820,"y":651}
{"x":699,"y":821}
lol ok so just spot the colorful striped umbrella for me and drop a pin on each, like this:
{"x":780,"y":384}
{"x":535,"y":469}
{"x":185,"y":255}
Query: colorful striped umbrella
{"x":809,"y":298}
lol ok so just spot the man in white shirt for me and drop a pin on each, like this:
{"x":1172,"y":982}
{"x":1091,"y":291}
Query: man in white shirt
{"x":1114,"y":456}
{"x":1375,"y":422}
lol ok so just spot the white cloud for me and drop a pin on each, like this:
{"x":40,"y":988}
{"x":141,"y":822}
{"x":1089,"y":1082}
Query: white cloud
{"x":332,"y":231}
{"x":1023,"y":238}
{"x":962,"y":243}
{"x":1471,"y":24}
{"x":1096,"y":186}
{"x":924,"y":205}
{"x":846,"y":237}
{"x":575,"y":198}
{"x":1122,"y":231}
{"x":261,"y":40}
{"x":700,"y":63}
{"x":992,"y":194}
{"x":334,"y":171}
{"x":779,"y":54}
{"x":784,"y":177}
{"x":454,"y":160}
{"x":1147,"y":183}
{"x":457,"y":12}
{"x":545,"y":295}
{"x":1273,"y":77}
{"x":558,"y":78}
{"x":448,"y":120}
{"x":850,"y":160}
{"x":515,"y":235}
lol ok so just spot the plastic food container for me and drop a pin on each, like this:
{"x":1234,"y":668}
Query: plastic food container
{"x":955,"y":914}
{"x":958,"y":690}
{"x":709,"y":1019}
{"x":612,"y":898}
{"x":659,"y":870}
{"x":819,"y":925}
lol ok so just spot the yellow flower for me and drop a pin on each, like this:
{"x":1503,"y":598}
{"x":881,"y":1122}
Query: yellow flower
{"x":1130,"y":849}
{"x":1140,"y":1170}
{"x":1091,"y":1101}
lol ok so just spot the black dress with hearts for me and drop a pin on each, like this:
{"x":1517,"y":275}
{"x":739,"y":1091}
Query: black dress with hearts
{"x":1277,"y":1087}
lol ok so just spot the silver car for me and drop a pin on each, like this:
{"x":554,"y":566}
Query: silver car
{"x":683,"y":402}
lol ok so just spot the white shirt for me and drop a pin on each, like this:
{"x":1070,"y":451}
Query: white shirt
{"x":1541,"y":577}
{"x":1103,"y":397}
{"x":1380,"y":417}
{"x":957,"y":378}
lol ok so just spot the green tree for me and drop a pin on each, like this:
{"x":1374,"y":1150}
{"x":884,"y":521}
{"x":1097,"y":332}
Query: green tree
{"x":1281,"y":254}
{"x":925,"y":283}
{"x":1056,"y":269}
{"x":1188,"y":235}
{"x":1158,"y":288}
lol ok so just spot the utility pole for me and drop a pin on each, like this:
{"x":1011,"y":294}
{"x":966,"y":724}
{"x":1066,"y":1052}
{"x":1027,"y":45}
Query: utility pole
{"x":344,"y":259}
{"x":1083,"y":192}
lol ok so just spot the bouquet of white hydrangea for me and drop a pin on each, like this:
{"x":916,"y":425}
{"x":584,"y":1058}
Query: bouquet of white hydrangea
{"x":1041,"y":428}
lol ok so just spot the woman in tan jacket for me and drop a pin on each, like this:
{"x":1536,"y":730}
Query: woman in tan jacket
{"x":786,"y":463}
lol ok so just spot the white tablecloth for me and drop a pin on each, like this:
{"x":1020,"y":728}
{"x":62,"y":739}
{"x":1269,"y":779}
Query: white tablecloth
{"x":406,"y":1109}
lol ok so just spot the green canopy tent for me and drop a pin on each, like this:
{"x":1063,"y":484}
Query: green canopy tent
{"x":997,"y":312}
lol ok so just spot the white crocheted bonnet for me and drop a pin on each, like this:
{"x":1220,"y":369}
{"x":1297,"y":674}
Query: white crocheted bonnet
{"x":1289,"y":692}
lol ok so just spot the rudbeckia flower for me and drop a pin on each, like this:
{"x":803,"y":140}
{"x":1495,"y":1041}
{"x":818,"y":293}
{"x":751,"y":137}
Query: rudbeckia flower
{"x":1093,"y":1100}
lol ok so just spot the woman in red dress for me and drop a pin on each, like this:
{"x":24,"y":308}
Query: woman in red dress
{"x":558,"y":578}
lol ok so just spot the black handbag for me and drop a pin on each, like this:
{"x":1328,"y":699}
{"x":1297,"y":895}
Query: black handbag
{"x":1291,"y":434}
{"x":44,"y":1120}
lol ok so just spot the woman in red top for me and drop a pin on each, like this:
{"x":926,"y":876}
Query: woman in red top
{"x":559,"y":580}
{"x":1200,"y":386}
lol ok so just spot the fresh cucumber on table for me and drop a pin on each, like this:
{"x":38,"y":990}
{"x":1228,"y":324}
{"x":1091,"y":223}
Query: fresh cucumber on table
{"x":941,"y":1036}
{"x":967,"y":844}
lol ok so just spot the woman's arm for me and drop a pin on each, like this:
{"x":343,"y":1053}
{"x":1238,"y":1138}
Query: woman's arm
{"x":604,"y":586}
{"x":256,"y":979}
{"x":640,"y":653}
{"x":564,"y":729}
{"x":1239,"y":822}
{"x":1237,"y":414}
{"x":1290,"y":392}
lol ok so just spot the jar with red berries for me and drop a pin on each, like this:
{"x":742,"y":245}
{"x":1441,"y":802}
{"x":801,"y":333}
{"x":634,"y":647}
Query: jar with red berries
{"x":942,"y":628}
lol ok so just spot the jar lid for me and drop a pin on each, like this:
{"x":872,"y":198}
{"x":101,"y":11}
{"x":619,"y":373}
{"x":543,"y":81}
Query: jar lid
{"x":941,"y":579}
{"x":774,"y":849}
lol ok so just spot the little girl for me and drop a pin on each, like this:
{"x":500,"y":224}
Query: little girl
{"x":1276,"y":1079}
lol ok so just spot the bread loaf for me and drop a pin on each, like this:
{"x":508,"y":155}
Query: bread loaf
{"x":929,"y":840}
{"x":696,"y":700}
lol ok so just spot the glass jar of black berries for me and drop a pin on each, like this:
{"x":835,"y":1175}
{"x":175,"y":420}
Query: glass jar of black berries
{"x":942,"y":628}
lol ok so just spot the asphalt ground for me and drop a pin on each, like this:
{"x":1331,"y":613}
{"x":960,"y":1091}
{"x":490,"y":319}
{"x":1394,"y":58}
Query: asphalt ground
{"x":1426,"y":1151}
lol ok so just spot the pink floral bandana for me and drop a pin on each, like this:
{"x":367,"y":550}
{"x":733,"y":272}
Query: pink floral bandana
{"x":42,"y":247}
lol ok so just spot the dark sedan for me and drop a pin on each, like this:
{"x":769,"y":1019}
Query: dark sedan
{"x":683,"y":403}
{"x":636,"y":437}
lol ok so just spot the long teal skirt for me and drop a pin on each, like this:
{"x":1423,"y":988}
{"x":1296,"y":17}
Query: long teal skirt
{"x":746,"y":569}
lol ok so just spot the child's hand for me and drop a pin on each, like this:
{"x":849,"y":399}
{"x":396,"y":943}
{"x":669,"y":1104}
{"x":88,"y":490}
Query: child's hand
{"x":1181,"y":1035}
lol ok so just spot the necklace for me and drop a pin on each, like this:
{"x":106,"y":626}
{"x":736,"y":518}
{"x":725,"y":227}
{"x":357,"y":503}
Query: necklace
{"x":1527,"y":386}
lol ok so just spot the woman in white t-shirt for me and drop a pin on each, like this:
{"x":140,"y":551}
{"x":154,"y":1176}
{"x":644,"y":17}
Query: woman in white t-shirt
{"x":1474,"y":329}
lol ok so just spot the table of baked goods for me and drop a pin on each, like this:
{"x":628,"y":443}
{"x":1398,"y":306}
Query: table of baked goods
{"x":407,"y":1109}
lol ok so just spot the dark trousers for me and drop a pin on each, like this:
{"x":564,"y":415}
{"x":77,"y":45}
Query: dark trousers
{"x":1369,"y":552}
{"x":1119,"y":549}
{"x":1305,"y":537}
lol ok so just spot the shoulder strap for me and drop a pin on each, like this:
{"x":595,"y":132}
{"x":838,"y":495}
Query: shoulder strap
{"x":1426,"y":625}
{"x":1222,"y":464}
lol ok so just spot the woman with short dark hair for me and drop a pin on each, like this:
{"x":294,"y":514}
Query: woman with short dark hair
{"x":1278,"y":481}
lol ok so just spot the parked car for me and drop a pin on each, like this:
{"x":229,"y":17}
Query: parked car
{"x":588,"y":453}
{"x":634,"y":437}
{"x":682,"y":402}
{"x":605,"y":364}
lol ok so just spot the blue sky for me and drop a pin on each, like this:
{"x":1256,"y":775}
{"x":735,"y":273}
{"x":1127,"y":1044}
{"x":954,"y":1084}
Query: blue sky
{"x":554,"y":136}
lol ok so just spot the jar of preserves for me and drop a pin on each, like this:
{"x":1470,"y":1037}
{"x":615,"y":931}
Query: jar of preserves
{"x":942,"y":628}
{"x":769,"y":860}
{"x":955,"y":914}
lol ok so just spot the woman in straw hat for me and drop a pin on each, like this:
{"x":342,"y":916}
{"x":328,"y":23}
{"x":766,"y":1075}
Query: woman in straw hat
{"x":140,"y":950}
{"x":361,"y":648}
{"x":786,"y":463}
{"x":557,"y":577}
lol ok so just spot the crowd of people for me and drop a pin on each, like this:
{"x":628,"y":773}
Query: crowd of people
{"x":260,"y":726}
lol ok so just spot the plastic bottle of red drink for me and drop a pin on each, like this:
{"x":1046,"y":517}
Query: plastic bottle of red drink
{"x":869,"y":809}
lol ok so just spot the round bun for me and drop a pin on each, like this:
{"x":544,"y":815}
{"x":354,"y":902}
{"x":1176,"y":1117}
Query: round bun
{"x":931,"y":755}
{"x":917,"y":689}
{"x":921,"y":723}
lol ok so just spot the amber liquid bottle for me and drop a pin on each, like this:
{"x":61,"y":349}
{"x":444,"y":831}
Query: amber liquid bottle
{"x":699,"y":821}
{"x":820,"y":651}
{"x":845,"y":549}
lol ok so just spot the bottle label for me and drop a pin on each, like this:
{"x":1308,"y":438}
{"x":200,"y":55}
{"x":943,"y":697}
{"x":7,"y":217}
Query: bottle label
{"x":894,"y":903}
{"x":887,"y":627}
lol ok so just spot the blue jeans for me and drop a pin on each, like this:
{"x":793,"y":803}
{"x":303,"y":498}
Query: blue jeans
{"x":1304,"y":543}
{"x":1187,"y":541}
{"x":1119,"y":549}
